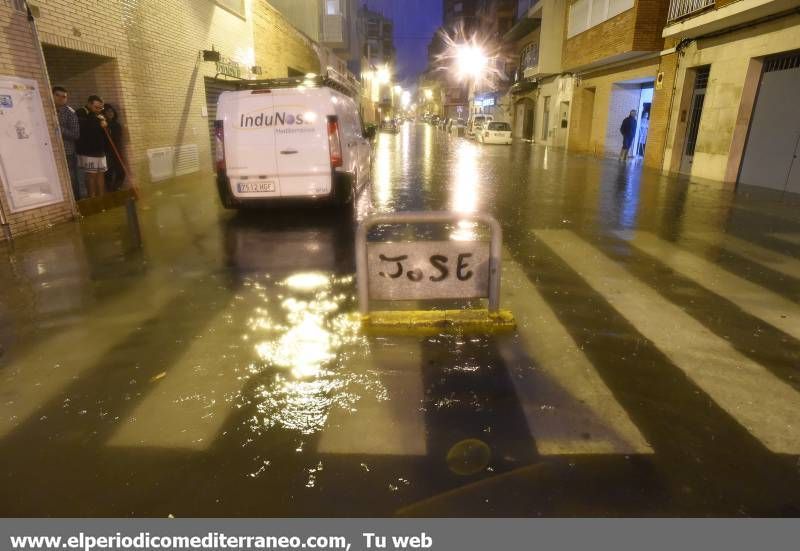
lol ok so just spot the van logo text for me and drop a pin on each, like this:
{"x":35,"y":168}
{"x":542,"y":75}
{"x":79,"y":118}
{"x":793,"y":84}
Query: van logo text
{"x":278,"y":119}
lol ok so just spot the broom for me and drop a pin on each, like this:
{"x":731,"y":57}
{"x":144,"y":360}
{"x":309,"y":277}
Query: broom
{"x":121,"y":163}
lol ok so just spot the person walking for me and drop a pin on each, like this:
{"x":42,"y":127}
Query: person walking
{"x":70,"y":132}
{"x":628,"y":131}
{"x":91,"y":146}
{"x":115,"y":176}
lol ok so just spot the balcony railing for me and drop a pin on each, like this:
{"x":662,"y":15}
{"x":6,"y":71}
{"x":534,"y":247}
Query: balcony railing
{"x":682,"y":8}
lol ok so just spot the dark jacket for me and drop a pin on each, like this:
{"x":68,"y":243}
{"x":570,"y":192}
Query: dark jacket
{"x":628,"y":128}
{"x":92,"y":141}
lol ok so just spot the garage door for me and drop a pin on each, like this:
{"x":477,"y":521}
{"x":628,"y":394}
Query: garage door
{"x":770,"y":157}
{"x":214,"y":87}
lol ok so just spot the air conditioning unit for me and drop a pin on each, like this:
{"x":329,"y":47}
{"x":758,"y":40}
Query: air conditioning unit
{"x":161,"y":161}
{"x":167,"y":162}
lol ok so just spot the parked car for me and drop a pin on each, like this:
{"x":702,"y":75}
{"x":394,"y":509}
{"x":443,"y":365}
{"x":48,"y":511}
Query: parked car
{"x":495,"y":132}
{"x":475,"y":122}
{"x":276,"y":142}
{"x":390,"y":126}
{"x":434,"y":120}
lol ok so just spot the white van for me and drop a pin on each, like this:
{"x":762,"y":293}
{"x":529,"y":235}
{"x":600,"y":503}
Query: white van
{"x":475,"y":122}
{"x":289,"y":139}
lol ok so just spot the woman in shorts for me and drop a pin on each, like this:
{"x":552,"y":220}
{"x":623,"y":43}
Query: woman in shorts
{"x":91,"y":146}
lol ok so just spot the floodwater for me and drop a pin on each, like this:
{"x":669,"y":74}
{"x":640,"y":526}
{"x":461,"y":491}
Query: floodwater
{"x":221,"y":370}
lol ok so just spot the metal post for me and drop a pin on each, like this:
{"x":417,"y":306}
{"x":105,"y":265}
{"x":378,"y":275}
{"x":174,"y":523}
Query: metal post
{"x":133,"y":222}
{"x":495,"y":248}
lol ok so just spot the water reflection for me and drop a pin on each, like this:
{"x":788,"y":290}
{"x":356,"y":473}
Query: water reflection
{"x":382,"y":179}
{"x":464,"y":188}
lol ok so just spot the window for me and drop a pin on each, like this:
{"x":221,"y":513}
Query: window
{"x":236,"y":7}
{"x":529,"y":57}
{"x":523,"y":6}
{"x":333,"y":7}
{"x":585,"y":14}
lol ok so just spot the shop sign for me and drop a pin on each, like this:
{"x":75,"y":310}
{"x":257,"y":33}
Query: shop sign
{"x":229,"y":68}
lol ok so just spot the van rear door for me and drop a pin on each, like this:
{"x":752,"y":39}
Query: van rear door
{"x":249,"y":143}
{"x":301,"y":141}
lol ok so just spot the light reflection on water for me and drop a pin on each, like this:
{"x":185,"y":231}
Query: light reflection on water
{"x":383,"y":174}
{"x":302,"y":348}
{"x":464,"y":194}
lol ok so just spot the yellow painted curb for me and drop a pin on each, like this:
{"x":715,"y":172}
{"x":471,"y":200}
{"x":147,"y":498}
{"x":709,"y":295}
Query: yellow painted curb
{"x":426,"y":322}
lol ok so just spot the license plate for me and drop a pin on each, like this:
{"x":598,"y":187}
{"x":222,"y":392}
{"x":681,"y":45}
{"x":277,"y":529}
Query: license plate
{"x":256,"y":187}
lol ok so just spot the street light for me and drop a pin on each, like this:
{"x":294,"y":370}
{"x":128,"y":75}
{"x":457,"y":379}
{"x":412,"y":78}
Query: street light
{"x":471,"y":61}
{"x":383,"y":75}
{"x":405,"y":99}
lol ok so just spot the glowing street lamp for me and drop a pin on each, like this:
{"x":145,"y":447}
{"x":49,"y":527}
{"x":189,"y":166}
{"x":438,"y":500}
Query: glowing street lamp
{"x":471,"y":61}
{"x":383,"y":75}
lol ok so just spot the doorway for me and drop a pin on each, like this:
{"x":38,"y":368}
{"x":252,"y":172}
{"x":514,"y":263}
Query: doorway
{"x":643,"y":124}
{"x":84,"y":74}
{"x":695,"y":112}
{"x":524,"y":119}
{"x":563,"y":125}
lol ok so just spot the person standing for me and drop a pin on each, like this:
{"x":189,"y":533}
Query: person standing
{"x":643,"y":127}
{"x":115,"y":176}
{"x":70,"y":132}
{"x":628,"y":131}
{"x":91,"y":146}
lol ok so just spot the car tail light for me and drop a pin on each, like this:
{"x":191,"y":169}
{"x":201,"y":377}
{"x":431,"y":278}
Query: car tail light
{"x":334,"y":143}
{"x":219,"y":140}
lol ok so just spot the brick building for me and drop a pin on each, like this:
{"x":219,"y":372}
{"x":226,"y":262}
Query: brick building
{"x":20,"y":59}
{"x":147,"y":59}
{"x":727,"y":101}
{"x":612,"y":47}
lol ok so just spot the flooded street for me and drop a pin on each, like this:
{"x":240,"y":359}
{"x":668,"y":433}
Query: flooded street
{"x":222,"y":370}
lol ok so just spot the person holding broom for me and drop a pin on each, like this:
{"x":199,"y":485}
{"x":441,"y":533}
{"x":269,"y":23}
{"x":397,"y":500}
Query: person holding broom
{"x":91,"y":145}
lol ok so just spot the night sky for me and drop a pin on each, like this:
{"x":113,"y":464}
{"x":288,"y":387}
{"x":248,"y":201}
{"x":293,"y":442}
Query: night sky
{"x":415,"y":21}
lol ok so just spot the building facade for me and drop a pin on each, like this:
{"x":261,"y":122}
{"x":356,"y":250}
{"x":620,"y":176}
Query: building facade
{"x":727,"y":99}
{"x":29,"y":202}
{"x":378,"y":33}
{"x":488,"y":96}
{"x":612,"y":48}
{"x":160,"y":64}
{"x":541,"y":96}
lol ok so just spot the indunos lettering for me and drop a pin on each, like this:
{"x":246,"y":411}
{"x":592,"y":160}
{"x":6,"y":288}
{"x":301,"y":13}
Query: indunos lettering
{"x":278,"y":119}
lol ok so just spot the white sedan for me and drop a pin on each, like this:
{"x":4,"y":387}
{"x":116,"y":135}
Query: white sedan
{"x":495,"y":132}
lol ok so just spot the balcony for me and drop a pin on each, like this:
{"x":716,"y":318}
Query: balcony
{"x":681,"y":8}
{"x":726,"y":14}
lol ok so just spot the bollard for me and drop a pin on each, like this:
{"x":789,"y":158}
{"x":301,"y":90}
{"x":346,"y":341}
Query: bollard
{"x":133,"y":222}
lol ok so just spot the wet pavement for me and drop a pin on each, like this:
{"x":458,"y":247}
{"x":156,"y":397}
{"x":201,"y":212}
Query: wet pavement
{"x":221,"y":370}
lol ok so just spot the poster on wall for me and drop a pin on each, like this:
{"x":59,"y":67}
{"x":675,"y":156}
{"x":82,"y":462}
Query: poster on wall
{"x":27,"y":166}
